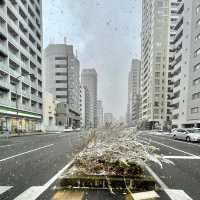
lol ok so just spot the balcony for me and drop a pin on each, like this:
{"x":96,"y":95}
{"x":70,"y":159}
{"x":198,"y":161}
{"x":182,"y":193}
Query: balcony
{"x":14,"y":25}
{"x":26,"y":80}
{"x":3,"y":14}
{"x":5,"y":84}
{"x":26,"y":93}
{"x":15,"y":58}
{"x":14,"y":73}
{"x":4,"y":66}
{"x":4,"y":102}
{"x":26,"y":107}
{"x":4,"y":49}
{"x":3,"y":29}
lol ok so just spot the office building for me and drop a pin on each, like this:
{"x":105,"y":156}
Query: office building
{"x":154,"y":66}
{"x":89,"y":80}
{"x":99,"y":113}
{"x":20,"y":56}
{"x":85,"y":108}
{"x":62,"y":70}
{"x":133,"y":93}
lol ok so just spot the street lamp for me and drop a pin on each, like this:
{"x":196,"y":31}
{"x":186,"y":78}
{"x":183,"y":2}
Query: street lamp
{"x":16,"y":91}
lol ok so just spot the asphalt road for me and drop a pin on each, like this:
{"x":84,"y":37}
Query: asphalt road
{"x":182,"y":178}
{"x":29,"y":165}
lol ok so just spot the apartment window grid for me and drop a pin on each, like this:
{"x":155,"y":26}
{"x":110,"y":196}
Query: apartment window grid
{"x":18,"y":53}
{"x":195,"y":110}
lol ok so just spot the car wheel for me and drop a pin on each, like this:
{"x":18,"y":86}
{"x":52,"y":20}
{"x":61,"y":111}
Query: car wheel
{"x":188,"y":139}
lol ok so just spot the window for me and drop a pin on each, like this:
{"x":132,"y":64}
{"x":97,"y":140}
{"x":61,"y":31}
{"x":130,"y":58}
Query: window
{"x":197,"y":9}
{"x":157,"y":89}
{"x":197,"y":52}
{"x":61,"y":81}
{"x":61,"y":89}
{"x":197,"y":37}
{"x":61,"y":96}
{"x":196,"y":81}
{"x":61,"y":74}
{"x":61,"y":66}
{"x":197,"y":67}
{"x":198,"y":22}
{"x":195,"y":110}
{"x":157,"y":82}
{"x":60,"y":58}
{"x":157,"y":74}
{"x":196,"y":96}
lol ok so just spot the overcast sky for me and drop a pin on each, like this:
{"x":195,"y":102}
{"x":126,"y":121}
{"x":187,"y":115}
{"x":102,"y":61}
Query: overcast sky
{"x":106,"y":34}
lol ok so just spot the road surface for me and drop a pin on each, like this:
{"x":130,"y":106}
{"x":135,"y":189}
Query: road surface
{"x":182,"y":178}
{"x":28,"y":165}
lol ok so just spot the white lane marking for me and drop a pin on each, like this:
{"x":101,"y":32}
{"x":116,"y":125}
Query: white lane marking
{"x":178,"y":141}
{"x":20,"y":154}
{"x":156,"y":177}
{"x":177,"y":194}
{"x":31,"y":194}
{"x":173,"y":194}
{"x":34,"y":192}
{"x":145,"y":195}
{"x":56,"y":176}
{"x":174,"y":148}
{"x":182,"y":157}
{"x":4,"y":189}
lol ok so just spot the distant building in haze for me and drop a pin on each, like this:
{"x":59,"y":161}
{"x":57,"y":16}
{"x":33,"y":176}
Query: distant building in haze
{"x":89,"y":81}
{"x":99,"y":113}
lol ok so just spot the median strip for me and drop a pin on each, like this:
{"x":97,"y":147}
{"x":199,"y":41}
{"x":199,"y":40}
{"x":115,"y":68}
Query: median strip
{"x":27,"y":152}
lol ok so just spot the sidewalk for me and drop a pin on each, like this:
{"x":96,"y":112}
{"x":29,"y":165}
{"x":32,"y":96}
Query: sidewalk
{"x":26,"y":134}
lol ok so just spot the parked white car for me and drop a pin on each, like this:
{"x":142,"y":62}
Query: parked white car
{"x":189,"y":135}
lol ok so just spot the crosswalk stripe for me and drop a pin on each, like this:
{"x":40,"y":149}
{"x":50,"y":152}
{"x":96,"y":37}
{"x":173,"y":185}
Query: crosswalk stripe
{"x":145,"y":195}
{"x":177,"y":194}
{"x":4,"y":189}
{"x":31,"y":194}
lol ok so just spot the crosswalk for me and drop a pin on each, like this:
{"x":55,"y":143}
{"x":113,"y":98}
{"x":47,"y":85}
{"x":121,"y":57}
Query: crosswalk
{"x":34,"y":192}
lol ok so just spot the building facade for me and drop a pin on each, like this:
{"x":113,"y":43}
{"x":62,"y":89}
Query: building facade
{"x":186,"y":65}
{"x":89,"y":80}
{"x":154,"y":66}
{"x":62,"y":70}
{"x":108,"y":118}
{"x":99,"y":113}
{"x":21,"y":65}
{"x":49,"y":112}
{"x":85,"y":108}
{"x":133,"y":107}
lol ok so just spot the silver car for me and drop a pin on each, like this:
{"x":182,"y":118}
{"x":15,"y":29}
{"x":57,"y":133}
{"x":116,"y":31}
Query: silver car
{"x":189,"y":135}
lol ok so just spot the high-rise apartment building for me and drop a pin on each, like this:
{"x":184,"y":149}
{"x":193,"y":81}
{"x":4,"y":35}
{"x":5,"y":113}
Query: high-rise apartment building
{"x":154,"y":66}
{"x":99,"y":113}
{"x":186,"y":65}
{"x":133,"y":93}
{"x":62,"y":70}
{"x":21,"y":65}
{"x":85,"y":108}
{"x":89,"y":80}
